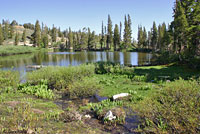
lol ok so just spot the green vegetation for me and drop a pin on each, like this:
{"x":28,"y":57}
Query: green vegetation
{"x":60,"y":77}
{"x":179,"y":39}
{"x":174,"y":109}
{"x":165,"y":97}
{"x":84,"y":88}
{"x":8,"y":80}
{"x":41,"y":90}
{"x":14,"y":50}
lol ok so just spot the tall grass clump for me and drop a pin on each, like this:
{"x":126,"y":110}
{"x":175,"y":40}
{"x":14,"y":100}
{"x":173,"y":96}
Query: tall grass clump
{"x":20,"y":119}
{"x":8,"y":79}
{"x":13,"y":50}
{"x":83,"y":88}
{"x":112,"y":68}
{"x":175,"y":109}
{"x":60,"y":77}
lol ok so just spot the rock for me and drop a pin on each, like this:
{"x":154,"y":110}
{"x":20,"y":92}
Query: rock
{"x":29,"y":131}
{"x":35,"y":66}
{"x":120,"y":96}
{"x":37,"y":111}
{"x":12,"y":103}
{"x":119,"y":112}
{"x":168,"y":81}
{"x":85,"y":102}
{"x":88,"y":116}
{"x":77,"y":116}
{"x":109,"y":116}
{"x":71,"y":116}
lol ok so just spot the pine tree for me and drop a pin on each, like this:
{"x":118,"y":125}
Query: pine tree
{"x":91,"y":41}
{"x":159,"y":37}
{"x":84,"y":39}
{"x":17,"y":39}
{"x":59,"y":32}
{"x":6,"y":31}
{"x":62,"y":38}
{"x":193,"y":18}
{"x":105,"y":37}
{"x":162,"y":36}
{"x":144,"y":38}
{"x":24,"y":36}
{"x":127,"y":32}
{"x":1,"y":35}
{"x":140,"y":37}
{"x":37,"y":34}
{"x":54,"y":34}
{"x":14,"y":23}
{"x":116,"y":37}
{"x":120,"y":33}
{"x":75,"y":43}
{"x":11,"y":31}
{"x":45,"y":40}
{"x":180,"y":28}
{"x":154,"y":39}
{"x":89,"y":38}
{"x":167,"y":39}
{"x":70,"y":39}
{"x":102,"y":36}
{"x":78,"y":35}
{"x":149,"y":40}
{"x":109,"y":34}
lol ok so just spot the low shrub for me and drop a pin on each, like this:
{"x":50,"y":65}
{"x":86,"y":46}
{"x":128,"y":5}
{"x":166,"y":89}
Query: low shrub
{"x":112,"y":68}
{"x":41,"y":90}
{"x":8,"y":80}
{"x":60,"y":77}
{"x":101,"y":108}
{"x":175,"y":109}
{"x":140,"y":78}
{"x":20,"y":120}
{"x":83,"y":88}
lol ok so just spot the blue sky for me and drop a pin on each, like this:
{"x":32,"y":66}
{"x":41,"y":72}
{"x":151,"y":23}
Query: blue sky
{"x":87,"y":13}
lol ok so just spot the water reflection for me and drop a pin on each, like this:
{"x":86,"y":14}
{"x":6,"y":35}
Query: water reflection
{"x":20,"y":62}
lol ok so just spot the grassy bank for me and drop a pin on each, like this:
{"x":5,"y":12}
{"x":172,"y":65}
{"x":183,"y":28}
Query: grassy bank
{"x":14,"y":50}
{"x":166,"y":98}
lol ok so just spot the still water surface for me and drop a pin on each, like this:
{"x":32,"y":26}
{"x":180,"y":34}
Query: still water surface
{"x":19,"y":62}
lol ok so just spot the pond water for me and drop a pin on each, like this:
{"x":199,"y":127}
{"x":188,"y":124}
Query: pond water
{"x":20,"y":62}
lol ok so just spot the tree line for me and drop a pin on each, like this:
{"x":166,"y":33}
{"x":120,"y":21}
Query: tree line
{"x":180,"y":37}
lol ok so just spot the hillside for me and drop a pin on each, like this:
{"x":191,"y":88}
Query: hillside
{"x":19,"y":29}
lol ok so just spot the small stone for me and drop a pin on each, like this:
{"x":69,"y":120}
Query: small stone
{"x":119,"y":112}
{"x":71,"y":116}
{"x":77,"y":116}
{"x":120,"y":96}
{"x":85,"y":102}
{"x":37,"y":111}
{"x":29,"y":131}
{"x":109,"y":116}
{"x":88,"y":116}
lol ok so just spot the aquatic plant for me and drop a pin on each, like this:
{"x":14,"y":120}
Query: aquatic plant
{"x":41,"y":90}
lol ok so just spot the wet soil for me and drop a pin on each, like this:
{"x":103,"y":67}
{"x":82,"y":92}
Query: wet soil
{"x":131,"y":121}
